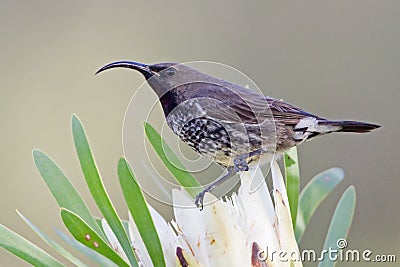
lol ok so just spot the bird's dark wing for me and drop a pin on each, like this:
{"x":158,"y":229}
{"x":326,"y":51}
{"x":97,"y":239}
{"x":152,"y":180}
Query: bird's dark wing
{"x":287,"y":113}
{"x":236,"y":104}
{"x":256,"y":108}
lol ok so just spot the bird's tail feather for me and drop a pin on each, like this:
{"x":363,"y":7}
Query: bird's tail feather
{"x":351,"y":126}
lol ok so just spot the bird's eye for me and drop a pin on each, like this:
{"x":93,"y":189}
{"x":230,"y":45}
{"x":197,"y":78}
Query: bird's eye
{"x":170,"y":71}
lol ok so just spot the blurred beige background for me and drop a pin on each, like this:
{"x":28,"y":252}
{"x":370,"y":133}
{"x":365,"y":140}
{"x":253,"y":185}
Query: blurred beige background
{"x":339,"y":59}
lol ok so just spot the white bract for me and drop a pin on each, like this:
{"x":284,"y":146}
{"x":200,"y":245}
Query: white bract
{"x":247,"y":229}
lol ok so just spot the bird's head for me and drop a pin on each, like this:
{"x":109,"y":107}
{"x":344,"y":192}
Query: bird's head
{"x":162,"y":77}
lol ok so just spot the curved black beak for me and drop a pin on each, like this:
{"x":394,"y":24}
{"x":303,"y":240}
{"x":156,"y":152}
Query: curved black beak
{"x":142,"y":68}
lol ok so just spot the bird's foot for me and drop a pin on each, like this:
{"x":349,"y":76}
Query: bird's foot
{"x":240,"y":163}
{"x":199,"y":199}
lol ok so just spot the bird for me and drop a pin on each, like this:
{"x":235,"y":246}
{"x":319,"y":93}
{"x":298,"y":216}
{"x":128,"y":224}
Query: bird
{"x":234,"y":126}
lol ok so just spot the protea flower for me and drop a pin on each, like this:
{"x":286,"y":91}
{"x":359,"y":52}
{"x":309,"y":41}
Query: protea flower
{"x":243,"y":230}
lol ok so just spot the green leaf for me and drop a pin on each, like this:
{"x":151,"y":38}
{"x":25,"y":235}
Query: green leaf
{"x":24,"y":249}
{"x":52,"y":243}
{"x":87,"y":236}
{"x":340,"y":225}
{"x":140,"y":213}
{"x":97,"y":189}
{"x":313,"y":194}
{"x":292,"y":175}
{"x":88,"y":252}
{"x":178,"y":170}
{"x":62,"y":189}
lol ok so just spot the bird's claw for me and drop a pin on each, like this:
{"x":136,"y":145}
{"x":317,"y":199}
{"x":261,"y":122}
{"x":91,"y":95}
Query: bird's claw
{"x":199,"y":199}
